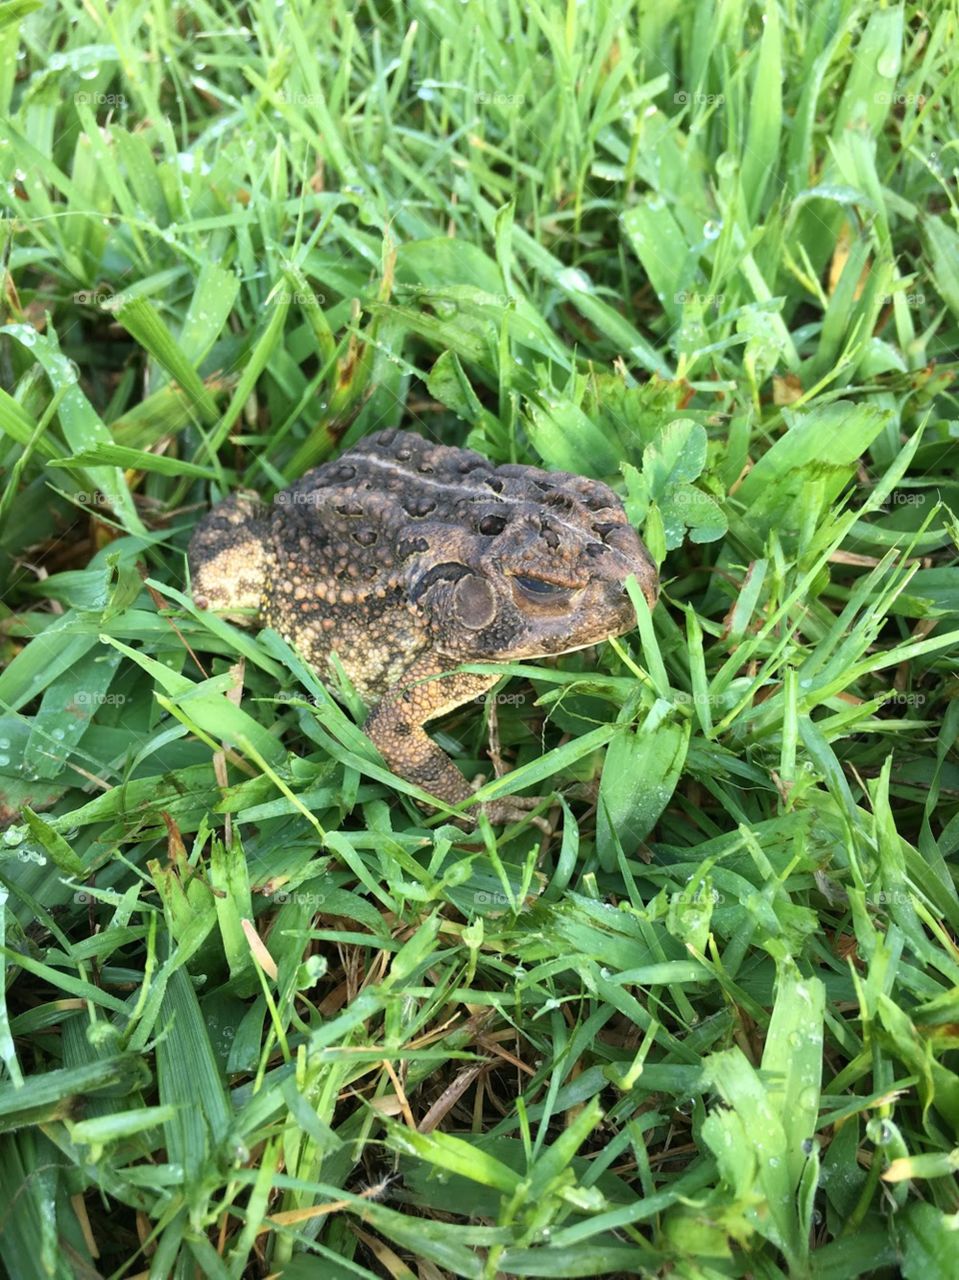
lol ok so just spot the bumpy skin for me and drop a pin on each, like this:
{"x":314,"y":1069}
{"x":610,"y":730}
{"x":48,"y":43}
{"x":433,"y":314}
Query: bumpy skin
{"x":408,"y":558}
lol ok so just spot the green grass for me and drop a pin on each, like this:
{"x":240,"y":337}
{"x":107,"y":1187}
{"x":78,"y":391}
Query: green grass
{"x":261,"y":1016}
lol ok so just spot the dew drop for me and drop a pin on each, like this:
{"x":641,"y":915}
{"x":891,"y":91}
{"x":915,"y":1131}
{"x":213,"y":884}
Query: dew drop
{"x":574,"y":279}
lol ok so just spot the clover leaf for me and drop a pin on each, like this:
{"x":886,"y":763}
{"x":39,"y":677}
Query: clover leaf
{"x":663,"y":494}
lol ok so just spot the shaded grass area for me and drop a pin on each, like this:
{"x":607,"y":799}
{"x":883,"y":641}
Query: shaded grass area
{"x":260,"y":1015}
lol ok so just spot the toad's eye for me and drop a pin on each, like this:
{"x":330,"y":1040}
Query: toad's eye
{"x":538,"y":587}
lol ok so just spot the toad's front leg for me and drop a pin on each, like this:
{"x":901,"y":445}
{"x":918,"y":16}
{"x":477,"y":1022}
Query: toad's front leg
{"x":229,"y":558}
{"x":396,"y":728}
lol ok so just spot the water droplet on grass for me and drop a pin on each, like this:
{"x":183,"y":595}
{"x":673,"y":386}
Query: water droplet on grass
{"x":574,"y":279}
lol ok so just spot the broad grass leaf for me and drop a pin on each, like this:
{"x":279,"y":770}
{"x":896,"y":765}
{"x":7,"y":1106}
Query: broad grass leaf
{"x":15,"y":10}
{"x":822,"y":446}
{"x":51,"y":1095}
{"x":568,"y":440}
{"x":640,"y":773}
{"x":457,"y":1156}
{"x":115,"y":455}
{"x":870,"y":89}
{"x":927,"y":1238}
{"x":660,"y":245}
{"x":440,"y":263}
{"x":55,"y":650}
{"x":449,"y":384}
{"x":792,"y":1055}
{"x":49,"y":839}
{"x":761,"y":152}
{"x":942,"y":242}
{"x":931,"y":593}
{"x":66,"y":711}
{"x":756,"y":1160}
{"x":81,"y":424}
{"x":188,"y":1079}
{"x":210,"y":308}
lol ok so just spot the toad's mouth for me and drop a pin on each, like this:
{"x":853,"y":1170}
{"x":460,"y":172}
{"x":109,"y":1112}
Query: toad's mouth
{"x":572,"y":639}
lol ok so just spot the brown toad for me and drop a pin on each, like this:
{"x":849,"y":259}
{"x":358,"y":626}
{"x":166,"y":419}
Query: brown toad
{"x":408,"y":558}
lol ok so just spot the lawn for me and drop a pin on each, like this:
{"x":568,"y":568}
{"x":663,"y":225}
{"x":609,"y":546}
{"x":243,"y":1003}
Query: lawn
{"x":262,"y":1015}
